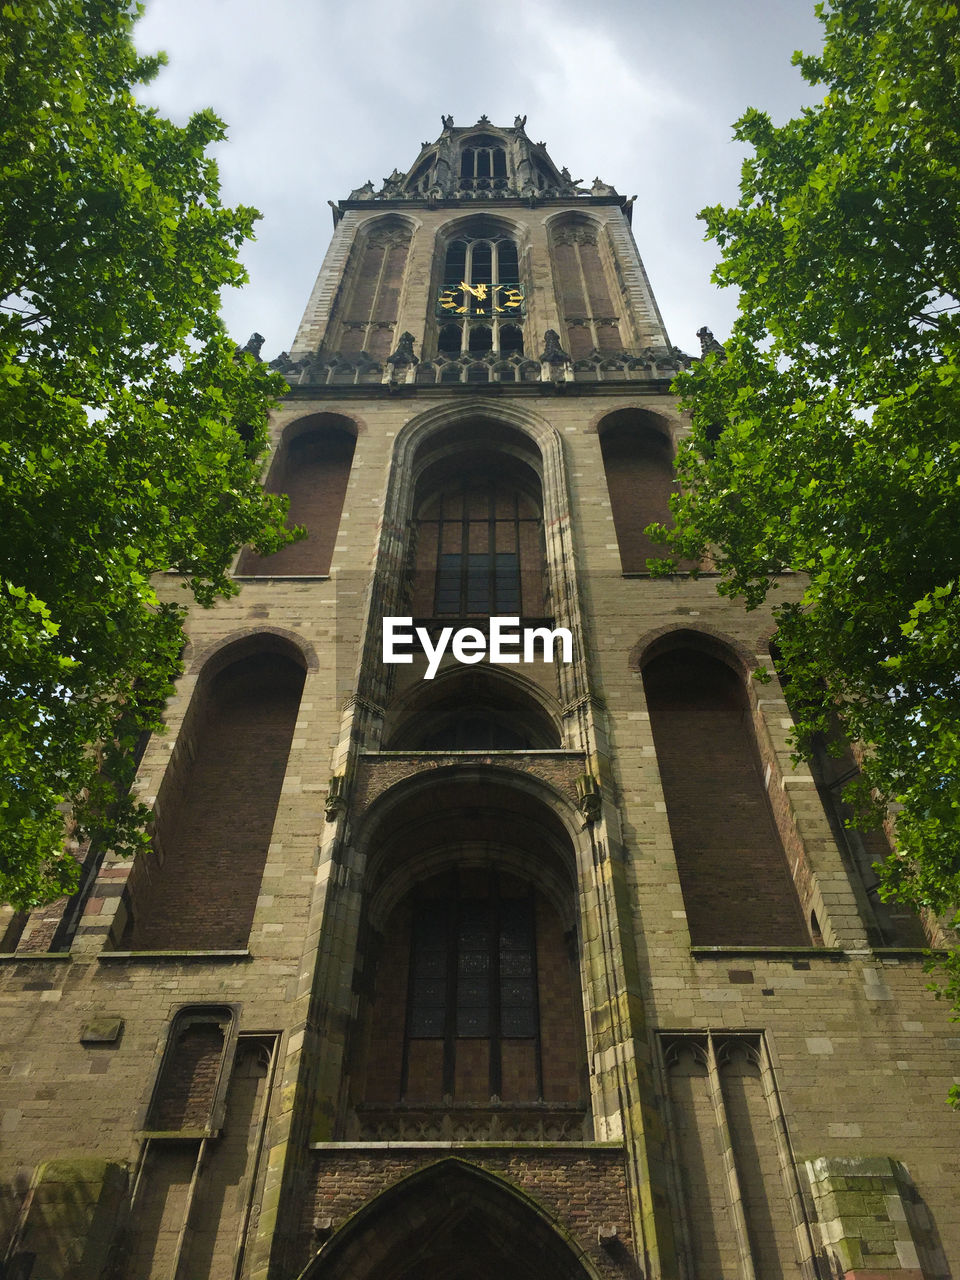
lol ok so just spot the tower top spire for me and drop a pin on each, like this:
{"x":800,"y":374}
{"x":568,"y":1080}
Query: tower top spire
{"x":481,"y":161}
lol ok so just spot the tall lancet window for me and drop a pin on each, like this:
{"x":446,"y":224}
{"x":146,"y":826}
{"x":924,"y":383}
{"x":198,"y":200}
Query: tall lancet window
{"x":483,"y":165}
{"x":480,"y":306}
{"x":590,"y":316}
{"x":479,"y":544}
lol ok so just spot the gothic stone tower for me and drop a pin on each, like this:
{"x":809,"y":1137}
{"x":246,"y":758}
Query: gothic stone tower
{"x":551,"y":966}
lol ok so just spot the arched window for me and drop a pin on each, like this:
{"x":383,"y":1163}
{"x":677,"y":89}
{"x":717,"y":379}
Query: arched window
{"x":481,"y":284}
{"x":374,"y":278}
{"x":312,"y":467}
{"x":638,"y":465}
{"x":483,"y":164}
{"x":591,"y":319}
{"x":737,"y":886}
{"x":473,"y":988}
{"x":472,"y":709}
{"x":479,"y":542}
{"x":216,"y":809}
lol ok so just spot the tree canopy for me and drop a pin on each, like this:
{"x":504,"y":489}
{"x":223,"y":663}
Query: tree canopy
{"x":131,"y":434}
{"x":827,"y":441}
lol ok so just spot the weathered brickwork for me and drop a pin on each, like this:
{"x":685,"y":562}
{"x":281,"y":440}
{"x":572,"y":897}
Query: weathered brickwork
{"x":580,"y":1190}
{"x":737,"y":887}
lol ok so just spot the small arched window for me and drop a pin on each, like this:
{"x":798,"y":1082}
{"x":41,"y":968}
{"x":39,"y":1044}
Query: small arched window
{"x":483,"y":164}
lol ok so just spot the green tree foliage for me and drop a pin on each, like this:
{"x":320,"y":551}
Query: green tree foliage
{"x":130,"y":435}
{"x":828,"y":441}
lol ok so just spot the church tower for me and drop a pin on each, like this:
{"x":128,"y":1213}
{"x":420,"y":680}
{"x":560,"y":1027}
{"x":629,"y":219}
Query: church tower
{"x":488,"y":928}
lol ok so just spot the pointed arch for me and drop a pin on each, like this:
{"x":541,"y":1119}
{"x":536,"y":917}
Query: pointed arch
{"x":473,"y":991}
{"x":467,"y":706}
{"x":217,"y":804}
{"x":638,"y":465}
{"x":450,"y":1221}
{"x":312,"y":466}
{"x":373,"y":281}
{"x":585,"y":287}
{"x":734,"y":874}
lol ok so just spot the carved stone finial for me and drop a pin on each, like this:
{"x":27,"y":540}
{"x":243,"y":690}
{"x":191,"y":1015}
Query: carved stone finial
{"x":708,"y":343}
{"x":447,"y":122}
{"x":552,"y":352}
{"x":252,"y":346}
{"x":589,"y":799}
{"x":392,"y":186}
{"x":336,"y":801}
{"x":363,"y":193}
{"x":404,"y":352}
{"x":519,"y":122}
{"x":601,"y":188}
{"x":484,"y":119}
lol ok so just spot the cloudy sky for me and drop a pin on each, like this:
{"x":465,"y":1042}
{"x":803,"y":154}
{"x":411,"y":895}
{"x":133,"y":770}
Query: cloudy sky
{"x":321,"y":95}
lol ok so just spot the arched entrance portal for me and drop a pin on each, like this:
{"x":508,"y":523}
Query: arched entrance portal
{"x":451,"y":1221}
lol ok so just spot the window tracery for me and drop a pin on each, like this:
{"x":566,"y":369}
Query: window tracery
{"x":583,"y":291}
{"x":481,"y":284}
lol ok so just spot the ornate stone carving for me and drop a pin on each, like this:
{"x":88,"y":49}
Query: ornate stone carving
{"x":589,"y":800}
{"x":404,"y":352}
{"x":252,"y":346}
{"x":366,"y":192}
{"x":552,"y":352}
{"x":336,"y":801}
{"x":468,"y":1123}
{"x":392,"y":186}
{"x":708,"y":343}
{"x":575,"y":235}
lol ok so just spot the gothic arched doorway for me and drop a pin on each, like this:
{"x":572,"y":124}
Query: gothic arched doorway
{"x":451,"y":1221}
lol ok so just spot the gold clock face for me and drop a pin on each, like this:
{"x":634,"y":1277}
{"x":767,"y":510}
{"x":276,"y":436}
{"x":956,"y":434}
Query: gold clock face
{"x":480,"y":299}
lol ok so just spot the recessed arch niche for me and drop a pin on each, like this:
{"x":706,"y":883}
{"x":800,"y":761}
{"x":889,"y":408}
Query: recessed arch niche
{"x":373,"y":282}
{"x":638,"y":464}
{"x":450,"y":1221}
{"x":473,"y":709}
{"x":312,"y":466}
{"x":736,"y":881}
{"x":469,"y":939}
{"x":583,"y":284}
{"x":217,"y":805}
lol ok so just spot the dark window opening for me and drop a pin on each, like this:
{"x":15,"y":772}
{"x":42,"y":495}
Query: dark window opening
{"x":475,"y":733}
{"x":481,"y":338}
{"x":450,"y":340}
{"x":511,"y":340}
{"x":473,"y":976}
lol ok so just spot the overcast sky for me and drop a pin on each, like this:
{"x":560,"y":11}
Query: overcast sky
{"x":319,"y":96}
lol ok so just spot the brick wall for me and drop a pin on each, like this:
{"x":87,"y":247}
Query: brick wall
{"x":215,"y":840}
{"x":638,"y":463}
{"x":736,"y":884}
{"x":313,"y":470}
{"x":579,"y":1189}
